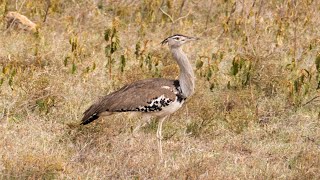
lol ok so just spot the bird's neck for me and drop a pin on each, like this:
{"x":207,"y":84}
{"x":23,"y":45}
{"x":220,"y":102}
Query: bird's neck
{"x":186,"y":77}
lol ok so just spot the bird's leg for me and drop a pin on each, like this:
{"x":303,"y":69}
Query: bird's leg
{"x":159,"y":130}
{"x":159,"y":134}
{"x":143,"y":122}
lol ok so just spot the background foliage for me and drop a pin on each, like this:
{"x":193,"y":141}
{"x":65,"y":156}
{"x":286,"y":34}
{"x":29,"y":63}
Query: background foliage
{"x":255,"y":113}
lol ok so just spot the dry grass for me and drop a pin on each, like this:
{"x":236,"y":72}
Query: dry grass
{"x":255,"y":113}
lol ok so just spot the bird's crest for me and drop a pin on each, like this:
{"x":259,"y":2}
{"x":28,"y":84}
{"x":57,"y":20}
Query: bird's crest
{"x":176,"y":35}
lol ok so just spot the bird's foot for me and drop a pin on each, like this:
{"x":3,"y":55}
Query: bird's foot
{"x":135,"y":135}
{"x":159,"y":137}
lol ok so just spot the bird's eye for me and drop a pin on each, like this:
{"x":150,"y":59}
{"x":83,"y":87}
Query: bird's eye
{"x":177,"y":38}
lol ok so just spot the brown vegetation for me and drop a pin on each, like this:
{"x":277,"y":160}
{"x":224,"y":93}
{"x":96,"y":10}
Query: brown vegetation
{"x":255,"y":113}
{"x":20,"y":22}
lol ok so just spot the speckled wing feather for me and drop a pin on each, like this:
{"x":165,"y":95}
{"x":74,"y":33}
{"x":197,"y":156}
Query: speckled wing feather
{"x":133,"y":97}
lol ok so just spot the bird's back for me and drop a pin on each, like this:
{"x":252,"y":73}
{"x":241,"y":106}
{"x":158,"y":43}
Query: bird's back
{"x":149,"y":96}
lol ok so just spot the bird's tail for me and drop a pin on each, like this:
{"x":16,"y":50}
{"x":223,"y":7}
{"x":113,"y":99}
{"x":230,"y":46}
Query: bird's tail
{"x":89,"y":115}
{"x":85,"y":121}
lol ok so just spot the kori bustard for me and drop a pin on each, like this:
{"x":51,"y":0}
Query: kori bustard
{"x":156,"y":97}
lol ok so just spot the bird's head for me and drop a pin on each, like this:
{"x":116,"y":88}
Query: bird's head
{"x":177,"y":40}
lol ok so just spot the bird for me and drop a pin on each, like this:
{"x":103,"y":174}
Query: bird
{"x":157,"y":97}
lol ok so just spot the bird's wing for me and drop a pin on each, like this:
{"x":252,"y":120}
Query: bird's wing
{"x":135,"y":97}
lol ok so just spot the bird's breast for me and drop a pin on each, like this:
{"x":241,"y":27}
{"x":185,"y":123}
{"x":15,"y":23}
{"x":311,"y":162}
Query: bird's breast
{"x":169,"y":108}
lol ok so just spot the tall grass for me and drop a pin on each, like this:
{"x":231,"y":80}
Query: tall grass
{"x":255,"y":113}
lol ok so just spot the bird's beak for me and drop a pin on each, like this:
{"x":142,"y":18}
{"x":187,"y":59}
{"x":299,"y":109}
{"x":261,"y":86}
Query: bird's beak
{"x":193,"y":38}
